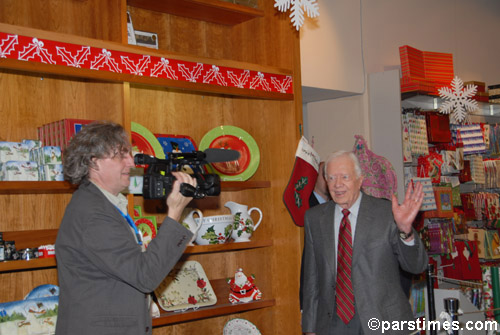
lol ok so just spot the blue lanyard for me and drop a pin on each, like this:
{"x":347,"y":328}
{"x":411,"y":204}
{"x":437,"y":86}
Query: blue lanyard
{"x":131,"y":224}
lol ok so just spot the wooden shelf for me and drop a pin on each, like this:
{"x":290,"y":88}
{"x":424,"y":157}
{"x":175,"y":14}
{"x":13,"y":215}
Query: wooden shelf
{"x":36,"y":187}
{"x":222,"y":307}
{"x":202,"y":249}
{"x":51,"y":187}
{"x":30,"y":238}
{"x":34,"y":264}
{"x":244,"y":185}
{"x":214,"y":11}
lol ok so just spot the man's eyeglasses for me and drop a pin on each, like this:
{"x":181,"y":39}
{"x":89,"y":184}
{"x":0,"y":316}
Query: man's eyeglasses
{"x":342,"y":177}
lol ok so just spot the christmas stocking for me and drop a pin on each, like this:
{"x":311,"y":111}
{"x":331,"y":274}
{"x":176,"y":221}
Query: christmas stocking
{"x":301,"y":183}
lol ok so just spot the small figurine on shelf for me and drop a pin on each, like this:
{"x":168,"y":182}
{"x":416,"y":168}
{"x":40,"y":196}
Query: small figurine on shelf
{"x":242,"y":288}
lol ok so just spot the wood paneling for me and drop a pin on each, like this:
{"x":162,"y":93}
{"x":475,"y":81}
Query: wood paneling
{"x":214,"y":11}
{"x":90,"y":18}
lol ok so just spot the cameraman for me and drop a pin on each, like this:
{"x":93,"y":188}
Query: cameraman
{"x":105,"y":272}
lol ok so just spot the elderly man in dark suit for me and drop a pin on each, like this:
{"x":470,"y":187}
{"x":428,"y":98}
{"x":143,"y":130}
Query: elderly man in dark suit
{"x":105,"y":272}
{"x":354,"y":246}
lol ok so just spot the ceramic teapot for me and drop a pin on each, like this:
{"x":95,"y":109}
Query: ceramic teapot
{"x":243,"y":226}
{"x":193,"y":225}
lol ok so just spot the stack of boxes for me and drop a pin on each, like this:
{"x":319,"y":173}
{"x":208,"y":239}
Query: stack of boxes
{"x":424,"y":71}
{"x":59,"y":133}
{"x":28,"y":160}
{"x":15,"y":161}
{"x":481,"y":94}
{"x":494,"y":93}
{"x":34,"y":160}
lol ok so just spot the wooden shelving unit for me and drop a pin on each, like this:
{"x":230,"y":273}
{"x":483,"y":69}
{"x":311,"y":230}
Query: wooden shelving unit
{"x":222,"y":307}
{"x":38,"y":91}
{"x":214,"y":11}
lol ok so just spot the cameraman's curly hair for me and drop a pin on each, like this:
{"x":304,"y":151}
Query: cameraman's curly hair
{"x":99,"y":139}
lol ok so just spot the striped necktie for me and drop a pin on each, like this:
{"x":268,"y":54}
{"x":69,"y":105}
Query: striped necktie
{"x":345,"y":293}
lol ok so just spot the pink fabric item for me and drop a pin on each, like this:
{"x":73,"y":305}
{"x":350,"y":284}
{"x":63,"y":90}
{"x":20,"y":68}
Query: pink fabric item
{"x":380,"y":178}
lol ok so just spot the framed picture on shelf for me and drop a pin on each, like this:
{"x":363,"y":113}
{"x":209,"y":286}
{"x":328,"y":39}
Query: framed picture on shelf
{"x":146,"y":39}
{"x":444,"y":200}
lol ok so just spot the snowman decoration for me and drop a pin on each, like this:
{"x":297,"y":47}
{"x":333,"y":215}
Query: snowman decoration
{"x":242,"y":288}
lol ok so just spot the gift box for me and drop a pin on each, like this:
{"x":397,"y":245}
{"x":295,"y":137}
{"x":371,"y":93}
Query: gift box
{"x":494,"y":89}
{"x":481,"y":86}
{"x":14,"y":151}
{"x":59,"y":133}
{"x":481,"y":96}
{"x":425,"y":70}
{"x":19,"y":171}
{"x":53,"y":172}
{"x":51,"y":155}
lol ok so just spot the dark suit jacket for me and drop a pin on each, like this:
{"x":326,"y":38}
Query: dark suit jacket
{"x":104,"y":277}
{"x":378,"y":252}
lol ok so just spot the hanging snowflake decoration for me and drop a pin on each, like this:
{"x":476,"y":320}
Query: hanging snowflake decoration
{"x":298,"y":7}
{"x":458,"y":101}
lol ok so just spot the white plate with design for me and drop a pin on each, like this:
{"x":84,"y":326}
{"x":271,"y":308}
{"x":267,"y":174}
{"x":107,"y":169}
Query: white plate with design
{"x":240,"y":327}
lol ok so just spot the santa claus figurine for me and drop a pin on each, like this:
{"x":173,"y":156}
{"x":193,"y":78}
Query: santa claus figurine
{"x":242,"y":288}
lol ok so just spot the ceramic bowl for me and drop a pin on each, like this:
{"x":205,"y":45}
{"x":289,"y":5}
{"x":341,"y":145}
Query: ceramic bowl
{"x":215,"y":229}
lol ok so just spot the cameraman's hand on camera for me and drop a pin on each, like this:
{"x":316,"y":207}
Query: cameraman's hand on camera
{"x":176,"y":202}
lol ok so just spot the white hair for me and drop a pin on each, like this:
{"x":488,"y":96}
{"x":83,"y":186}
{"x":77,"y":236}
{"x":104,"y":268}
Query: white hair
{"x":351,"y":155}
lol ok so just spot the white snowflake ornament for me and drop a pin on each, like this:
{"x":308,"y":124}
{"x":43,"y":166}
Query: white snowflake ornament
{"x":458,"y":101}
{"x":298,"y":6}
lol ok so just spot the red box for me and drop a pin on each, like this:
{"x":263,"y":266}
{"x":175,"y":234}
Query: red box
{"x":425,"y":71}
{"x":70,"y":127}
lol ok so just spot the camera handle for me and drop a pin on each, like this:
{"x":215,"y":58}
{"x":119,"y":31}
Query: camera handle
{"x":190,"y":191}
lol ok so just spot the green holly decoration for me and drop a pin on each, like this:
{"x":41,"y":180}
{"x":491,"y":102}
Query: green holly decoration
{"x":301,"y":183}
{"x":210,"y":235}
{"x":299,"y":186}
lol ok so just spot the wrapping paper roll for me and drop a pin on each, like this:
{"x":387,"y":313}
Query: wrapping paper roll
{"x":495,"y":281}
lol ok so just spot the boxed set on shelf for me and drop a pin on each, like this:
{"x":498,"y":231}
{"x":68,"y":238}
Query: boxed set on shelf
{"x":41,"y":159}
{"x":28,"y":160}
{"x":59,"y":133}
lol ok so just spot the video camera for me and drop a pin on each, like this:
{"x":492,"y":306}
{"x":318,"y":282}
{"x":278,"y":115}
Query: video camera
{"x":158,"y":179}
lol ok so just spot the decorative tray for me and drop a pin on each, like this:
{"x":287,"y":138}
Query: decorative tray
{"x":240,"y":327}
{"x":186,"y":286}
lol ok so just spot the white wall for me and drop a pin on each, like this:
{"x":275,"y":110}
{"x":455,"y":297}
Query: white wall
{"x":466,"y":28}
{"x":331,"y":48}
{"x":328,"y":130}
